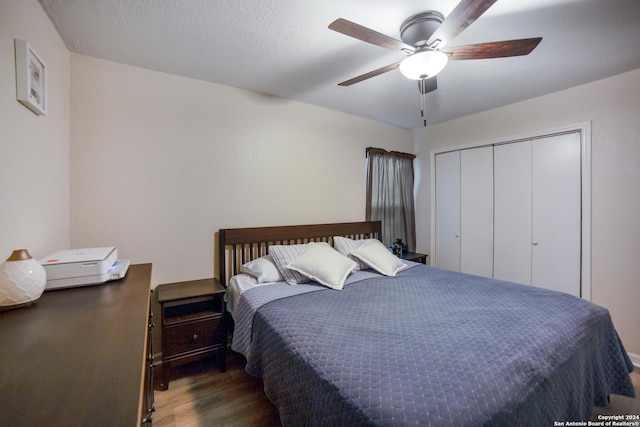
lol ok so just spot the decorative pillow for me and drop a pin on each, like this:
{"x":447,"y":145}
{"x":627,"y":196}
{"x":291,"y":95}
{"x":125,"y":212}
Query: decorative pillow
{"x":283,"y":255}
{"x":378,"y":257}
{"x":264,"y":269}
{"x":322,"y":263}
{"x":344,"y":245}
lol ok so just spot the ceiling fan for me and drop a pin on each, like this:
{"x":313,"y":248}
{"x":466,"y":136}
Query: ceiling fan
{"x":425,"y":38}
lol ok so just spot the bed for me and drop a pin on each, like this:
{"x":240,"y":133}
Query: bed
{"x":423,"y":347}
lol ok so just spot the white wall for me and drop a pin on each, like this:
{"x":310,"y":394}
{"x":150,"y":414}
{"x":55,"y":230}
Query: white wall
{"x":159,"y":163}
{"x":34,"y":150}
{"x":613,"y":107}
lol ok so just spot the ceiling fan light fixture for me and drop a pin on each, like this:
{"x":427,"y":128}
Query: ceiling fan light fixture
{"x":423,"y":64}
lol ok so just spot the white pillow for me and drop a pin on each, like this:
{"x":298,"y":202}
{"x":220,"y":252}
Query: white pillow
{"x":283,"y":255}
{"x":378,"y":257}
{"x":264,"y":269}
{"x":325,"y":265}
{"x":345,"y":245}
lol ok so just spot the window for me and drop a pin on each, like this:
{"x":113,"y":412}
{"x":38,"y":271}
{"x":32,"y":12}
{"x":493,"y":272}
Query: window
{"x":390,"y":195}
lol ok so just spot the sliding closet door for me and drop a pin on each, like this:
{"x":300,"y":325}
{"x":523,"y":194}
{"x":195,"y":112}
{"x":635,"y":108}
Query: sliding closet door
{"x":447,"y":174}
{"x":476,"y":211}
{"x":512,"y":212}
{"x":538,"y":212}
{"x":556,"y":213}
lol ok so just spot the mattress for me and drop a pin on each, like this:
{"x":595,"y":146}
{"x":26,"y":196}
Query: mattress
{"x":430,"y":347}
{"x":238,"y":285}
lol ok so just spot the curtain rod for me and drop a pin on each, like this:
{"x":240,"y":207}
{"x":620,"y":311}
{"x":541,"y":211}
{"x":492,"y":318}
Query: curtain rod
{"x":384,"y":152}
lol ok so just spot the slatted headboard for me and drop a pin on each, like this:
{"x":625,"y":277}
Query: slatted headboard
{"x":237,"y":246}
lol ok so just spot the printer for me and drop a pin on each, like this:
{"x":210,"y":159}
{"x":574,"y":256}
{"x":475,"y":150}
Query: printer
{"x":83,"y":267}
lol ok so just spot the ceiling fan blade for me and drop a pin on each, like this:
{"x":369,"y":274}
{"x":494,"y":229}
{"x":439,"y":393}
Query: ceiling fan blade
{"x":464,"y":14}
{"x":493,"y":49}
{"x":369,"y":74}
{"x":368,"y":35}
{"x":430,"y":85}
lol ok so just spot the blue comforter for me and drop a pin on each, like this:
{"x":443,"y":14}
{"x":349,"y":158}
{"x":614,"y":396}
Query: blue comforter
{"x":433,"y":347}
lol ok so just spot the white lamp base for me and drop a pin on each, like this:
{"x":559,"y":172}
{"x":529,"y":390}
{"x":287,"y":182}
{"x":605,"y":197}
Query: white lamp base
{"x":22,"y":280}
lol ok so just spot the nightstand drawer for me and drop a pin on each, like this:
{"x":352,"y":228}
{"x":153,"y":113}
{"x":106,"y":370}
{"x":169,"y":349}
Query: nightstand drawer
{"x":191,"y":336}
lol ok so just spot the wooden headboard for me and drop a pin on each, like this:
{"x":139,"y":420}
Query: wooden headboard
{"x":237,"y":246}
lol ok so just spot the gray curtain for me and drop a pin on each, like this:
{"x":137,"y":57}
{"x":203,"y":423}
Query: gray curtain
{"x":390,"y":195}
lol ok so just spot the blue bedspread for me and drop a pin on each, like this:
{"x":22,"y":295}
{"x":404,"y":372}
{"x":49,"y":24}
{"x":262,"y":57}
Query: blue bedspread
{"x":432,"y":347}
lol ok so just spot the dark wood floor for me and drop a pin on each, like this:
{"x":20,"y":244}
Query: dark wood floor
{"x":202,"y":396}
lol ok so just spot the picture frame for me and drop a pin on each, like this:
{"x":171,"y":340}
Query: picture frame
{"x":31,"y":78}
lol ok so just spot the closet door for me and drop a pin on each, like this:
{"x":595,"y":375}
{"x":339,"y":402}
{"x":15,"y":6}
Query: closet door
{"x":447,"y":176}
{"x":512,"y":212}
{"x":556,"y":222}
{"x":476,"y":211}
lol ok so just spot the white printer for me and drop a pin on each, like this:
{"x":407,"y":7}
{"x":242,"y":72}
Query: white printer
{"x":82,"y":267}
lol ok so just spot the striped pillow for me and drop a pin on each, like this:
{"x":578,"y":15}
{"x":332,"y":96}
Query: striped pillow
{"x":283,"y":255}
{"x":344,"y":245}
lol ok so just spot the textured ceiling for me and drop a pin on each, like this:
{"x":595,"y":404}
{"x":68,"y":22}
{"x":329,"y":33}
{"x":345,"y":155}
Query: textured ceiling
{"x":284,"y":48}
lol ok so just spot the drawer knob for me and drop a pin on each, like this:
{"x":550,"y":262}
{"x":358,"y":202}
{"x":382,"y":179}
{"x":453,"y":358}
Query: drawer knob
{"x":195,"y":337}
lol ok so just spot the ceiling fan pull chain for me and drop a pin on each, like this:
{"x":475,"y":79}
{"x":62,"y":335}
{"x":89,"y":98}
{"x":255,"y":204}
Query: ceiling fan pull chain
{"x":422,"y":85}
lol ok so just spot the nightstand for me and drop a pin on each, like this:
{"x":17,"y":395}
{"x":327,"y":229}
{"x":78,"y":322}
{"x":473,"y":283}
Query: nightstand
{"x":415,"y":256}
{"x":193,"y":326}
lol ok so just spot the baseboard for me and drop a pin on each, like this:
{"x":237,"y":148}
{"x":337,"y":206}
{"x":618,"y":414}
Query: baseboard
{"x":635,"y":358}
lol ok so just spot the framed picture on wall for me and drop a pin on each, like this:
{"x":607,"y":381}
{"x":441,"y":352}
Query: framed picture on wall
{"x":31,"y":78}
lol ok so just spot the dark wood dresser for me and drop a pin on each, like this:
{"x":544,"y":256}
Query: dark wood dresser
{"x":79,"y":357}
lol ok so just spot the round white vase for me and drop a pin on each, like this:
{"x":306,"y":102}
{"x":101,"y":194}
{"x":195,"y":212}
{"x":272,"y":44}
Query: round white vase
{"x":22,"y":280}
